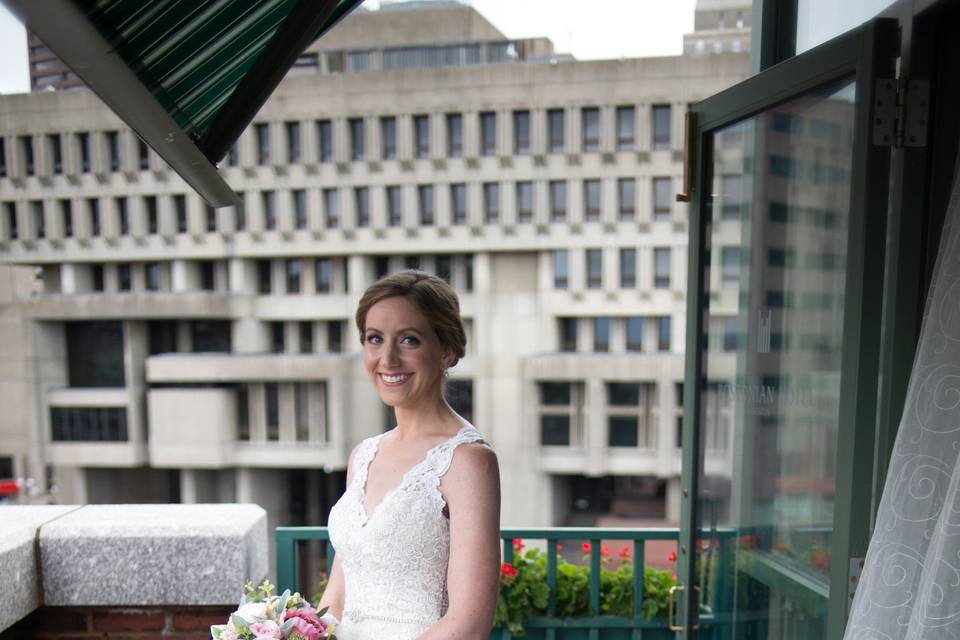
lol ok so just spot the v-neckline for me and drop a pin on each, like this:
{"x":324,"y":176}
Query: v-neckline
{"x":368,"y":516}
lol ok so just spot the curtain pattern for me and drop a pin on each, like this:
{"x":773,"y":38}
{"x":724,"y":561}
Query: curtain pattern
{"x":910,"y":587}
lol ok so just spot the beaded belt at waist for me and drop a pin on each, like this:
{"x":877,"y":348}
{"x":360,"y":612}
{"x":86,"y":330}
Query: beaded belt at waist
{"x":356,"y":615}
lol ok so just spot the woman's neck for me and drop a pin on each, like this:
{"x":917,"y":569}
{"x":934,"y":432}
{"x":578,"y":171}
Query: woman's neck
{"x":436,"y":419}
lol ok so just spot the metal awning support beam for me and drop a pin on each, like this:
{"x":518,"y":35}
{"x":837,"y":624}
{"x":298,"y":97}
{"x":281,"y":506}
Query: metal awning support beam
{"x":67,"y":31}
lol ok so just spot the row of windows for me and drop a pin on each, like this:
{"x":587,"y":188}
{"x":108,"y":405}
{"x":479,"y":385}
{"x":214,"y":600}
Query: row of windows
{"x":88,"y":424}
{"x":626,"y":334}
{"x":333,"y":214}
{"x":631,"y":413}
{"x":259,"y":415}
{"x":423,"y":142}
{"x":627,"y":257}
{"x":79,"y":152}
{"x":307,"y":337}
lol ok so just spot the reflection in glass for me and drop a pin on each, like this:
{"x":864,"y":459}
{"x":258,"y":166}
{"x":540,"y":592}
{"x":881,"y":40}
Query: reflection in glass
{"x":769,"y":406}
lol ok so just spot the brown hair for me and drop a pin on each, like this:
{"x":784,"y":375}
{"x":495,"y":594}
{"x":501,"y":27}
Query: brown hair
{"x":432,"y":296}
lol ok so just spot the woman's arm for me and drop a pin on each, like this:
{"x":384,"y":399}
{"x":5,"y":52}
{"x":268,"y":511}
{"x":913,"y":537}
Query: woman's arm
{"x":333,"y":594}
{"x":471,"y":489}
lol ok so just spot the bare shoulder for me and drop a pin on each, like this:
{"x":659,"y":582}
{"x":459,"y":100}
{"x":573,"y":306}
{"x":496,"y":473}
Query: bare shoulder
{"x":473,"y":462}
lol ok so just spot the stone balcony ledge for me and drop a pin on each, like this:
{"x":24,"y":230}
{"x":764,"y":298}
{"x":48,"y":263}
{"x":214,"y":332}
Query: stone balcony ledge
{"x":128,"y":555}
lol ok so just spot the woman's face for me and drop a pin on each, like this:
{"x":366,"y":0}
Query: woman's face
{"x":402,"y":354}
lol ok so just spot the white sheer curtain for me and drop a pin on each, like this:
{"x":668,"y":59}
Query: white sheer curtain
{"x":910,"y":587}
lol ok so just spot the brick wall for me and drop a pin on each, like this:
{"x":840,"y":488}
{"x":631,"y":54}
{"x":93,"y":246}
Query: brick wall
{"x":70,"y":623}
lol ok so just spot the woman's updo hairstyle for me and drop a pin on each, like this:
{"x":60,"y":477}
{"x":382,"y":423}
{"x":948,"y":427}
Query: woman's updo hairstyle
{"x":431,"y":295}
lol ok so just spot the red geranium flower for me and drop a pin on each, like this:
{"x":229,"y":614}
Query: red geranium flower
{"x":518,"y":545}
{"x":779,"y":546}
{"x":672,"y":557}
{"x":507,"y":569}
{"x":586,"y":547}
{"x":749,"y":540}
{"x":605,"y":552}
{"x":625,"y":553}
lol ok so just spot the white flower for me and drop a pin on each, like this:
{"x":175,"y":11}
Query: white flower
{"x":253,"y":612}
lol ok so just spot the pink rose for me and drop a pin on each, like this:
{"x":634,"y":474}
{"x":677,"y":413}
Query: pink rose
{"x":267,"y":630}
{"x":306,"y":624}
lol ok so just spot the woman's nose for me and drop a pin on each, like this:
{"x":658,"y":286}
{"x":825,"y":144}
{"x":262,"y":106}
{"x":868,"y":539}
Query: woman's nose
{"x":393,"y":353}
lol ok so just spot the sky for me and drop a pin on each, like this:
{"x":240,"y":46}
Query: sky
{"x":609,"y":29}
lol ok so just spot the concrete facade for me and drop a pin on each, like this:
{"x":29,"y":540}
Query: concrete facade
{"x":181,"y":353}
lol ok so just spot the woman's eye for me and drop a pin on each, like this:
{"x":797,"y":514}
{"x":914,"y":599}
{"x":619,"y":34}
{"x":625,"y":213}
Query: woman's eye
{"x":374,"y":339}
{"x":410,"y":340}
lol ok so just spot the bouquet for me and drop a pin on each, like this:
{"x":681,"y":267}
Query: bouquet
{"x":263,"y":616}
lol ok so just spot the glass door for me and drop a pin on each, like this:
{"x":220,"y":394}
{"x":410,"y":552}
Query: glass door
{"x":787,"y":234}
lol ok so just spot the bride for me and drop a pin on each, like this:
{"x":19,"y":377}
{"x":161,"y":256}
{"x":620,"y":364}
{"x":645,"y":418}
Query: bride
{"x":417,"y":531}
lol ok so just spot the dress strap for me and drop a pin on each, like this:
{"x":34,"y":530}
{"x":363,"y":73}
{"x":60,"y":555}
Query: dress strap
{"x":361,"y":461}
{"x":442,"y":456}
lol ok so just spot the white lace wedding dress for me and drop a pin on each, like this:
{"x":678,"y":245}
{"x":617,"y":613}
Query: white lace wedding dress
{"x":395,"y":562}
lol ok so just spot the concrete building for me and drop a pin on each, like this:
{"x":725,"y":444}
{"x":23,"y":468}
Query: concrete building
{"x":168,"y":351}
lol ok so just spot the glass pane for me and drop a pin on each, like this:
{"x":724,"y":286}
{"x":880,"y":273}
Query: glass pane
{"x":769,"y":413}
{"x":820,"y":20}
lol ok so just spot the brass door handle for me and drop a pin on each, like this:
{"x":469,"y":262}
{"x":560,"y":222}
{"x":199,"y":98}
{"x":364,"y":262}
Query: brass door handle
{"x":673,"y":591}
{"x":689,"y":125}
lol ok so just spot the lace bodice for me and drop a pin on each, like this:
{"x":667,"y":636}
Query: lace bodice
{"x":395,"y":561}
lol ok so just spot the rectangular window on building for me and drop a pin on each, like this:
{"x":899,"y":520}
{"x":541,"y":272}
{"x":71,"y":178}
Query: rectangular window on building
{"x":208,"y":275}
{"x":421,"y":136}
{"x":96,"y":273}
{"x":731,"y":187}
{"x":660,"y":126}
{"x":628,"y":268}
{"x":444,"y":267}
{"x":210,"y":215}
{"x":263,"y":142}
{"x":301,"y":411}
{"x":454,"y":135}
{"x":123,"y":216}
{"x":323,"y":274}
{"x":458,"y":203}
{"x":630,"y":414}
{"x":560,"y":412}
{"x":294,"y":268}
{"x":626,"y":198}
{"x":394,"y":206}
{"x":39,"y":223}
{"x":243,"y":413}
{"x":66,"y":217}
{"x":730,"y":266}
{"x":153,"y":220}
{"x":292,"y":129}
{"x":591,"y":200}
{"x":626,"y":128}
{"x":425,"y":200}
{"x":13,"y":229}
{"x":278,"y":338}
{"x":524,"y":202}
{"x":272,"y":407}
{"x":601,"y":334}
{"x":269,"y":201}
{"x":95,"y":354}
{"x":152,"y":275}
{"x":568,"y":334}
{"x":299,"y":197}
{"x":143,"y":155}
{"x":331,"y":208}
{"x":412,"y":262}
{"x":663,"y":333}
{"x":113,"y":149}
{"x":459,"y":395}
{"x":93,"y":211}
{"x":491,"y":202}
{"x":55,"y":147}
{"x":361,"y":204}
{"x":555,"y":130}
{"x":83,"y":147}
{"x":325,"y":140}
{"x":26,"y":151}
{"x":488,"y":133}
{"x":357,"y":139}
{"x":468,"y":272}
{"x":3,"y":157}
{"x":521,"y":133}
{"x":264,"y":277}
{"x":558,"y":200}
{"x":590,"y":129}
{"x":306,"y":337}
{"x":180,"y":206}
{"x":661,"y":198}
{"x":335,"y":336}
{"x":561,"y":269}
{"x":240,"y":213}
{"x":594,"y":268}
{"x":124,"y":280}
{"x":634,"y":331}
{"x":388,"y":138}
{"x":661,"y":268}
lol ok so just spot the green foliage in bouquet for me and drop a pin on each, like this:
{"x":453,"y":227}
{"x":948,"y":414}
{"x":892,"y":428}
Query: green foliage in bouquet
{"x":524,"y":592}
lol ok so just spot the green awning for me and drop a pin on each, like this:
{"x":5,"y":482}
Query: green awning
{"x":187,"y":75}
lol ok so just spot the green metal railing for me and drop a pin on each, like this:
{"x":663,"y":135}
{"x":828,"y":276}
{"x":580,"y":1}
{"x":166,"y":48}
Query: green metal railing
{"x":548,"y":627}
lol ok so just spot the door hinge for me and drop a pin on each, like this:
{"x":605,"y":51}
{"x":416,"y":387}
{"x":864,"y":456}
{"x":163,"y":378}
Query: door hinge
{"x":901,"y":112}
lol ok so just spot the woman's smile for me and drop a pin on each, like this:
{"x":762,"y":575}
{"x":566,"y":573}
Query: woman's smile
{"x":394,"y":379}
